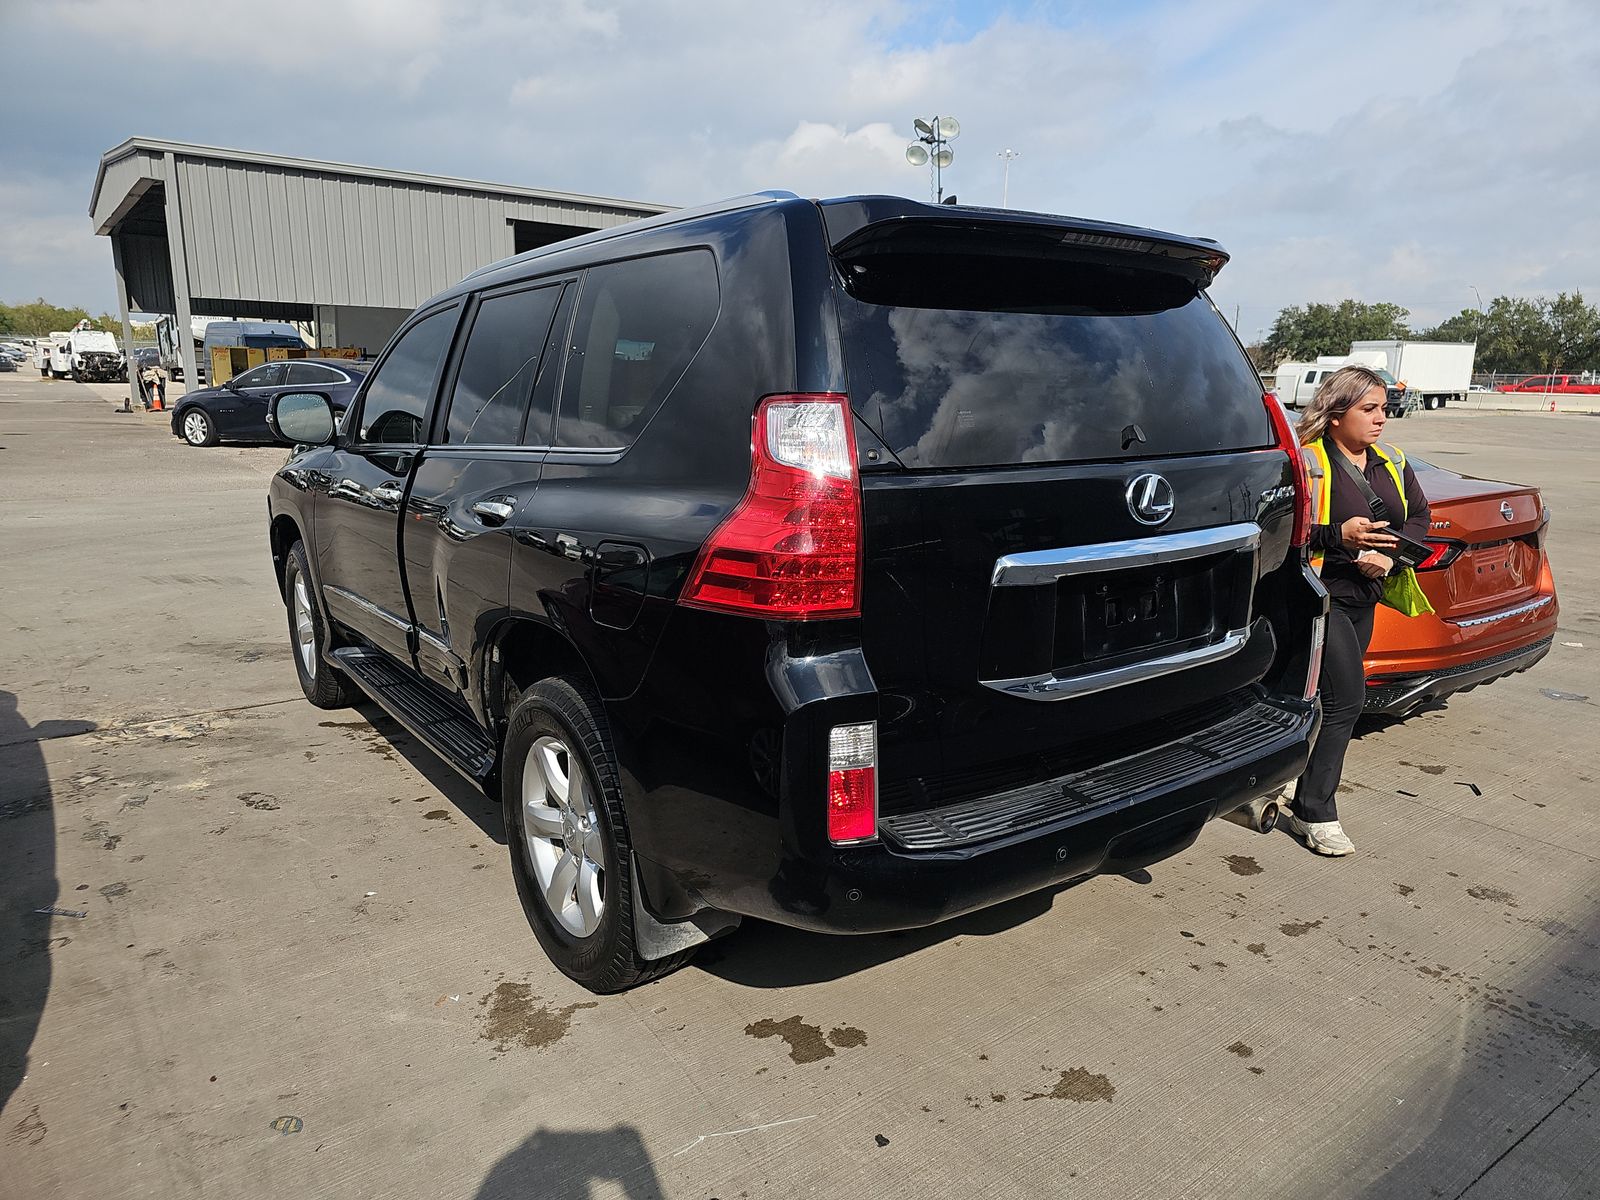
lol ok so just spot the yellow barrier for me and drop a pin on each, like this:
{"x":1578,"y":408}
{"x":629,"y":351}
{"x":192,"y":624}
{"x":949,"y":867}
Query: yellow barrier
{"x":228,"y":361}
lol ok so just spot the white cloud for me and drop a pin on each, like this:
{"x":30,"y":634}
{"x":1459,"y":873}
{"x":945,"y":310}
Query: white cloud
{"x":1356,"y":149}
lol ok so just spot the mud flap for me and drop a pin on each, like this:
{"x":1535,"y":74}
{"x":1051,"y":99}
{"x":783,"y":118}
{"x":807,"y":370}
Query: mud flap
{"x":655,"y":939}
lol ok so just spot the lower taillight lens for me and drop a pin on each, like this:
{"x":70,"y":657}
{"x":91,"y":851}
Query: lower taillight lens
{"x":1319,"y":633}
{"x":1283,"y":432}
{"x":853,"y":783}
{"x":1444,"y":553}
{"x":791,"y":548}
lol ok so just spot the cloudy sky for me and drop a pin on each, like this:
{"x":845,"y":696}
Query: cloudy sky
{"x":1405,"y":151}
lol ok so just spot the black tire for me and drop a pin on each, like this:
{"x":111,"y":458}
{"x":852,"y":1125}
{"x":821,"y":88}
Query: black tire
{"x":605,"y":960}
{"x":203,"y":431}
{"x":324,"y":685}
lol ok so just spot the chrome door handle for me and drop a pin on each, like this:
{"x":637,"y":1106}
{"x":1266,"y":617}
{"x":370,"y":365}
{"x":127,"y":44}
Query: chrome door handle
{"x":389,"y":493}
{"x":493,"y":512}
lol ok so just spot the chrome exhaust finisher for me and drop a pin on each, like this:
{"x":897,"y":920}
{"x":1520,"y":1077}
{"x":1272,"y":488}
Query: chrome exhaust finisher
{"x":1260,"y":814}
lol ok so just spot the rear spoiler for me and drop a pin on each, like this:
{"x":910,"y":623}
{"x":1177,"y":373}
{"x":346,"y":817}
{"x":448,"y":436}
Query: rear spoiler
{"x":869,"y":224}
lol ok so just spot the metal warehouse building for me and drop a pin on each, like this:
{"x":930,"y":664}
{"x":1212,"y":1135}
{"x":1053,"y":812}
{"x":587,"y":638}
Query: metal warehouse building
{"x":349,"y":251}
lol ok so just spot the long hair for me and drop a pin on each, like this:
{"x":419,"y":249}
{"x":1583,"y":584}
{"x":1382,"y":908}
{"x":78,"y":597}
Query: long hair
{"x":1334,"y":397}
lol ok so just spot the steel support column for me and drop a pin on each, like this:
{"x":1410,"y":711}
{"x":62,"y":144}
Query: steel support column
{"x":127,"y":325}
{"x":178,"y":249}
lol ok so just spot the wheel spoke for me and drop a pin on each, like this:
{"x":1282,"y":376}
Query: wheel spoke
{"x":555,"y":779}
{"x":578,"y":791}
{"x":559,"y":889}
{"x":589,"y":902}
{"x":594,"y":847}
{"x":542,"y":820}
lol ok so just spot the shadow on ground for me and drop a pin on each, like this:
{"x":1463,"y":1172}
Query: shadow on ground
{"x":27,"y":883}
{"x":555,"y":1164}
{"x":763,"y":955}
{"x":1516,"y":1111}
{"x":469,"y":801}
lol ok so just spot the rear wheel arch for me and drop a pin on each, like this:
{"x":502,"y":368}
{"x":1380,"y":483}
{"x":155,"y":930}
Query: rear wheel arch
{"x":518,"y":654}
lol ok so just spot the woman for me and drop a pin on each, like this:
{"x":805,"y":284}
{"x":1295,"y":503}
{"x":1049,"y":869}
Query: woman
{"x":1348,"y":542}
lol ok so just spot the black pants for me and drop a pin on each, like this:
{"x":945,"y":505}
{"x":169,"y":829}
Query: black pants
{"x":1344,"y":690}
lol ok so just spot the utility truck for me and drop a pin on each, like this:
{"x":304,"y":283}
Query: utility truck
{"x":1435,"y":372}
{"x":86,"y":355}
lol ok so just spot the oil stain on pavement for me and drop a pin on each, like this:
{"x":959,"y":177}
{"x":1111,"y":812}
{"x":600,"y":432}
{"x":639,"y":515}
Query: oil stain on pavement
{"x":806,"y":1042}
{"x":515,"y":1016}
{"x":1080,"y":1085}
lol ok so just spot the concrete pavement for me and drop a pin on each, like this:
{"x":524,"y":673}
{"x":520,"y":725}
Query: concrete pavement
{"x":303,"y":970}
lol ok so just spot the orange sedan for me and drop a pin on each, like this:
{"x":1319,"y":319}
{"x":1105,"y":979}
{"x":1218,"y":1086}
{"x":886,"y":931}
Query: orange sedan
{"x":1490,"y":585}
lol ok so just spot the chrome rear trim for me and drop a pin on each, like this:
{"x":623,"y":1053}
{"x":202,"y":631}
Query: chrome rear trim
{"x":1051,"y":686}
{"x":1045,"y":566}
{"x":1504,"y":614}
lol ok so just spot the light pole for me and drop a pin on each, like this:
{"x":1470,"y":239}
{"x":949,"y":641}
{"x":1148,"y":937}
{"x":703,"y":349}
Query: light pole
{"x":931,"y":146}
{"x":1005,"y":180}
{"x":1478,"y":333}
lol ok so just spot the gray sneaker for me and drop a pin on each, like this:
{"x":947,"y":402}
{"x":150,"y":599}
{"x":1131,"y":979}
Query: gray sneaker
{"x":1325,"y":837}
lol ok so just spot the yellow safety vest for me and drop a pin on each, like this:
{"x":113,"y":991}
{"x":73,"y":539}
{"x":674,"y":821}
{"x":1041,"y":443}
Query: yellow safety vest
{"x":1318,"y":466}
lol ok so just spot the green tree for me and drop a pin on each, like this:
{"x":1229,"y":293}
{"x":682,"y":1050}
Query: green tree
{"x":43,"y":317}
{"x":1520,"y":336}
{"x":1316,"y":329}
{"x":1572,"y":334}
{"x":8,"y":323}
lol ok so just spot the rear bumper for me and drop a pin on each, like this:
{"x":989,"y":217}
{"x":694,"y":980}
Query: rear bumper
{"x":1413,"y":661}
{"x":931,"y":866}
{"x":1396,"y":695}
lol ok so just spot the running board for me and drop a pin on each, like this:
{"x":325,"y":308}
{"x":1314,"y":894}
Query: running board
{"x":443,"y":726}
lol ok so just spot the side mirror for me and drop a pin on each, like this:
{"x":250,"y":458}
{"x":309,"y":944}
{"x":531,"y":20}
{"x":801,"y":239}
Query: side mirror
{"x":301,"y":418}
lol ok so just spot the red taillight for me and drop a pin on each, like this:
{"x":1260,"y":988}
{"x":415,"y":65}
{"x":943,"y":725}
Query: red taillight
{"x":853,"y":782}
{"x":1283,"y":434}
{"x":791,"y":548}
{"x":1444,"y":553}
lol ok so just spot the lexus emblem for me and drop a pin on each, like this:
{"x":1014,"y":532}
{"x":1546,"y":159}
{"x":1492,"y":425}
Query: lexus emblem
{"x":1149,"y":499}
{"x":1505,"y":509}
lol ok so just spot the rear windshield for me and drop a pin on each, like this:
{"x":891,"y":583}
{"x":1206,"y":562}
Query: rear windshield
{"x":269,"y":341}
{"x":966,"y":360}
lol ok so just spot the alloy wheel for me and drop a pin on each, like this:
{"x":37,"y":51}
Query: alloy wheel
{"x":561,"y":836}
{"x":305,"y":631}
{"x":194,"y":428}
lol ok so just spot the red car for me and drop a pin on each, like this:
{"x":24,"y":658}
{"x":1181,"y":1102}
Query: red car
{"x":1568,"y":384}
{"x":1490,"y":584}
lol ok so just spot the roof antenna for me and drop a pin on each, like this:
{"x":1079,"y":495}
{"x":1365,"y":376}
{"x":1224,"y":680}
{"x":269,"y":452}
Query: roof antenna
{"x":1132,"y":434}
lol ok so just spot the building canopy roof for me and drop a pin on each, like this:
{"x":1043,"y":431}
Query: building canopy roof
{"x":264,"y":232}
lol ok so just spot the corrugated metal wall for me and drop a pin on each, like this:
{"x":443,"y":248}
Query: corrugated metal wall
{"x":266,"y":233}
{"x":147,"y":268}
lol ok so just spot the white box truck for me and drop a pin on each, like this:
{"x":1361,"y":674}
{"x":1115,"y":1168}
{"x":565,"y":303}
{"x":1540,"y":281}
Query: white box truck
{"x":1298,"y":381}
{"x":1435,"y":371}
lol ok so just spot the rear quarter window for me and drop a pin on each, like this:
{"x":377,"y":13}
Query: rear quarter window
{"x":972,"y":361}
{"x":638,"y":326}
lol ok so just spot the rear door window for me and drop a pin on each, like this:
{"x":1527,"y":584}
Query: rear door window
{"x":966,"y":360}
{"x":307,"y":374}
{"x":639,"y":324}
{"x":499,"y":366}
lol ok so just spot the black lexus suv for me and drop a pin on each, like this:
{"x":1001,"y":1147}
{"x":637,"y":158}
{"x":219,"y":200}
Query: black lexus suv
{"x":850,"y":564}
